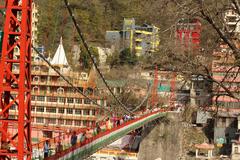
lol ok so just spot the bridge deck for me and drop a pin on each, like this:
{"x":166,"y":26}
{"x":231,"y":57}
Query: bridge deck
{"x":92,"y":145}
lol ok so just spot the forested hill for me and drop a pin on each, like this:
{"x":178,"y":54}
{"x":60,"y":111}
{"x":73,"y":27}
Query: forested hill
{"x":94,"y":16}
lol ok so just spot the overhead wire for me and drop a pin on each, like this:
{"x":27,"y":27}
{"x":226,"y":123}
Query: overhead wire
{"x":145,"y":98}
{"x":92,"y":58}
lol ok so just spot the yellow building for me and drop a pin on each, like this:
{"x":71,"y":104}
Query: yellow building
{"x":141,"y":40}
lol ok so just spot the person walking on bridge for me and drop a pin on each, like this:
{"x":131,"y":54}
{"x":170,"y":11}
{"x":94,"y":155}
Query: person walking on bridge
{"x":74,"y":138}
{"x":46,"y":149}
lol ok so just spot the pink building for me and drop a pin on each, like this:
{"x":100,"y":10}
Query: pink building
{"x":223,"y":72}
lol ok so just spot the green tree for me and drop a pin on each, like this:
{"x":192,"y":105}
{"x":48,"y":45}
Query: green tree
{"x":85,"y":61}
{"x":126,"y":57}
{"x":113,"y":60}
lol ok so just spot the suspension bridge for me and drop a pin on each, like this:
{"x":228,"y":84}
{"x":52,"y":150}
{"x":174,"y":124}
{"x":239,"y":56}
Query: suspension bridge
{"x":16,"y":87}
{"x":95,"y":143}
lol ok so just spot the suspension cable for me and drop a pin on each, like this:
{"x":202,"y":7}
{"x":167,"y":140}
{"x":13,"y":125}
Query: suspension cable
{"x":66,"y":80}
{"x":144,"y":99}
{"x":92,"y":57}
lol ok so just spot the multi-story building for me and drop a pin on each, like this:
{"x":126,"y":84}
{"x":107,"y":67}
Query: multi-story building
{"x":188,"y":32}
{"x":225,"y":73}
{"x":231,"y":20}
{"x":55,"y":104}
{"x":141,"y":40}
{"x":200,"y":92}
{"x":188,"y":36}
{"x":223,"y":64}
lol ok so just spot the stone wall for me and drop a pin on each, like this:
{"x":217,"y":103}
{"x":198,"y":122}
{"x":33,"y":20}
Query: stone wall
{"x":163,"y":140}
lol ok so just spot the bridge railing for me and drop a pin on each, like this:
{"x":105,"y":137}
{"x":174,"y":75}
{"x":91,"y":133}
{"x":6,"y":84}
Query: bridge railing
{"x":98,"y":136}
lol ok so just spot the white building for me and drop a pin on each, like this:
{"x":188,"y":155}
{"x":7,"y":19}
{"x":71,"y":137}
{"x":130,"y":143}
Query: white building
{"x":232,"y":22}
{"x":103,"y":54}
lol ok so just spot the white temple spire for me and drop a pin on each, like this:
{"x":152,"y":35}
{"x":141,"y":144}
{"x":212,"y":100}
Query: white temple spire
{"x":60,"y":56}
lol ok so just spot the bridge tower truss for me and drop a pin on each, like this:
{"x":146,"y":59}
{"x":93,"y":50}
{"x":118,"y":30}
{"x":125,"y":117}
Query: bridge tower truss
{"x":154,"y":99}
{"x":15,"y":88}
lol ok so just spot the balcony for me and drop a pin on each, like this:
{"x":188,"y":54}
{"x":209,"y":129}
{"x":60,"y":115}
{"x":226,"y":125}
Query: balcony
{"x":138,"y":47}
{"x":138,"y":39}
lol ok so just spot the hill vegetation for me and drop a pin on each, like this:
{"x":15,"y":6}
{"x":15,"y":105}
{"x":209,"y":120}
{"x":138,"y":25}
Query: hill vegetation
{"x":94,"y":17}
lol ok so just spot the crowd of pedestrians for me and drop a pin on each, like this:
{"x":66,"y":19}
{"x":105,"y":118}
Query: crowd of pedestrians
{"x":109,"y":124}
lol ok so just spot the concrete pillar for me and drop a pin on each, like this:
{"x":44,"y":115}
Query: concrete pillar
{"x":196,"y":153}
{"x":209,"y":153}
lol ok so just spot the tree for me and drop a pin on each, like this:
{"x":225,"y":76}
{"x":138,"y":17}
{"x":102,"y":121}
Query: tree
{"x":214,"y":32}
{"x":113,"y":60}
{"x":85,"y":61}
{"x":126,"y":57}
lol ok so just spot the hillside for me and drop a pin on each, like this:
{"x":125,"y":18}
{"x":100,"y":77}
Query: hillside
{"x":94,"y":17}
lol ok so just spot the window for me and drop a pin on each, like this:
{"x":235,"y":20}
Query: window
{"x":33,"y":98}
{"x":197,"y":93}
{"x":33,"y":109}
{"x":39,"y":120}
{"x":36,"y":68}
{"x":51,"y":109}
{"x":78,"y":100}
{"x":85,"y":123}
{"x":87,"y":101}
{"x":235,"y":149}
{"x":51,"y":99}
{"x":40,"y":109}
{"x":70,"y":100}
{"x":13,"y":107}
{"x":47,"y":134}
{"x":60,"y":121}
{"x":51,"y":120}
{"x":37,"y":59}
{"x":11,"y":117}
{"x":69,"y":111}
{"x":77,"y":123}
{"x":61,"y":100}
{"x":93,"y":112}
{"x":36,"y":78}
{"x":60,"y":90}
{"x":78,"y":111}
{"x":35,"y":89}
{"x":69,"y":122}
{"x":60,"y":110}
{"x":40,"y":98}
{"x":85,"y":112}
{"x":224,"y":120}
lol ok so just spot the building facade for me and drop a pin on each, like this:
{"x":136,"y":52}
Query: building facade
{"x":231,"y":19}
{"x":140,"y":39}
{"x":56,"y":106}
{"x":200,"y":92}
{"x":223,"y":72}
{"x":188,"y":32}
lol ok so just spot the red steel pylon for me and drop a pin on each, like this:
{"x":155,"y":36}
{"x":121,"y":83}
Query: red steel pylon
{"x":15,"y":88}
{"x":154,"y":99}
{"x":172,"y":97}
